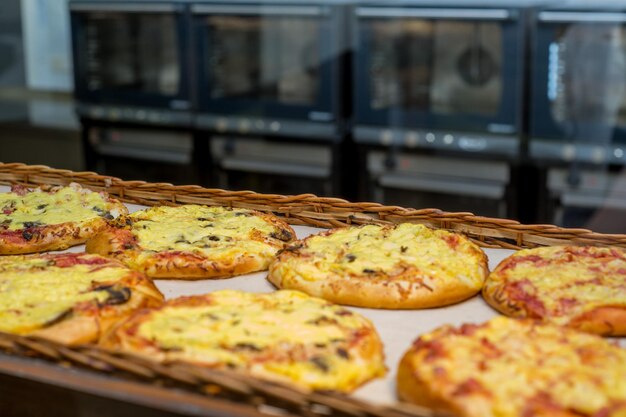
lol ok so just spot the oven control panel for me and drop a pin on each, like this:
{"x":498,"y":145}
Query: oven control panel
{"x":441,"y":140}
{"x":259,"y":126}
{"x":579,"y":152}
{"x":143,"y":115}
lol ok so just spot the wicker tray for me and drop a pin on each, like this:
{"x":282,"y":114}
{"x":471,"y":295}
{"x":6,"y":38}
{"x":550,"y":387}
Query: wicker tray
{"x":217,"y":392}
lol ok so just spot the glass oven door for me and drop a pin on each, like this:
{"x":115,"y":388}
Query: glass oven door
{"x":436,"y":68}
{"x":451,"y":184}
{"x":131,"y":54}
{"x":579,"y":87}
{"x":268,"y":60}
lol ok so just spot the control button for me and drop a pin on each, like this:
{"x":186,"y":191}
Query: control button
{"x":275,"y":126}
{"x":115,"y":136}
{"x":141,"y":114}
{"x":448,"y":139}
{"x":569,"y":152}
{"x":259,"y":124}
{"x":97,"y":112}
{"x":221,"y":124}
{"x":411,"y":139}
{"x":618,"y":152}
{"x":597,"y":155}
{"x":114,"y":114}
{"x":155,"y":117}
{"x":430,"y":137}
{"x":472,"y":144}
{"x":386,"y":137}
{"x":244,"y":125}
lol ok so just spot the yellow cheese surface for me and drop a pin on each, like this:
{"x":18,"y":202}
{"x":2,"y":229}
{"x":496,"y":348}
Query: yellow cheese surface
{"x":286,"y":333}
{"x":68,"y":204}
{"x":371,"y":249}
{"x":209,"y":231}
{"x":32,"y":293}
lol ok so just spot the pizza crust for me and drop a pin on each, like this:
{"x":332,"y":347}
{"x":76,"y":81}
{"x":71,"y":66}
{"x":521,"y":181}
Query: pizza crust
{"x":402,"y":293}
{"x":123,"y":244}
{"x":411,"y":288}
{"x":412,"y":388}
{"x":605,"y":321}
{"x":178,"y":265}
{"x":51,"y":237}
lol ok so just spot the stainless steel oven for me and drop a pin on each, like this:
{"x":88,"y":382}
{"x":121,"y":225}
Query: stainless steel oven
{"x":578,"y":110}
{"x":271,"y":68}
{"x":131,"y":61}
{"x":440,"y":75}
{"x":439,"y":101}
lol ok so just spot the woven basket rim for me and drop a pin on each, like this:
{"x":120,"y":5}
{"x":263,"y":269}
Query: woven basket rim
{"x":311,"y":210}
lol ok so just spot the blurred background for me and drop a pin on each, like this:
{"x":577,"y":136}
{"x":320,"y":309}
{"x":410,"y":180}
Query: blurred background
{"x":512,"y":109}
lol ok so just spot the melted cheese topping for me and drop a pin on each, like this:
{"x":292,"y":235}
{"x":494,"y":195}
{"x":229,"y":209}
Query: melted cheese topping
{"x":209,"y":231}
{"x":567,"y":280}
{"x":506,"y":366}
{"x":287,"y":334}
{"x":33,"y":293}
{"x":67,"y":204}
{"x":365,"y":250}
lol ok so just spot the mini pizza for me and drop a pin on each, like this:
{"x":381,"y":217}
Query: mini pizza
{"x":52,"y":218}
{"x":395,"y":266}
{"x":284,"y":336}
{"x":577,"y":286}
{"x":512,"y":368}
{"x":71,"y":298}
{"x":193,"y":241}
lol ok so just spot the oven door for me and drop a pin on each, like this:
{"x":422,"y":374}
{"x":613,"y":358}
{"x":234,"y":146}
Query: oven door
{"x":579,"y":87}
{"x":597,"y":200}
{"x":130,"y":53}
{"x":147,"y":153}
{"x":436,"y":68}
{"x":273,"y":167}
{"x":450,"y":184}
{"x":269,"y":65}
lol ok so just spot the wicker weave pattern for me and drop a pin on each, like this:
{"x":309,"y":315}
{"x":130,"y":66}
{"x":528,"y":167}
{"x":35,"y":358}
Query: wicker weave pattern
{"x":223,"y":384}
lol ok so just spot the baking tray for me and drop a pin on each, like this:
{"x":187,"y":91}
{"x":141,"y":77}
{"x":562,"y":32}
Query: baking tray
{"x":81,"y":380}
